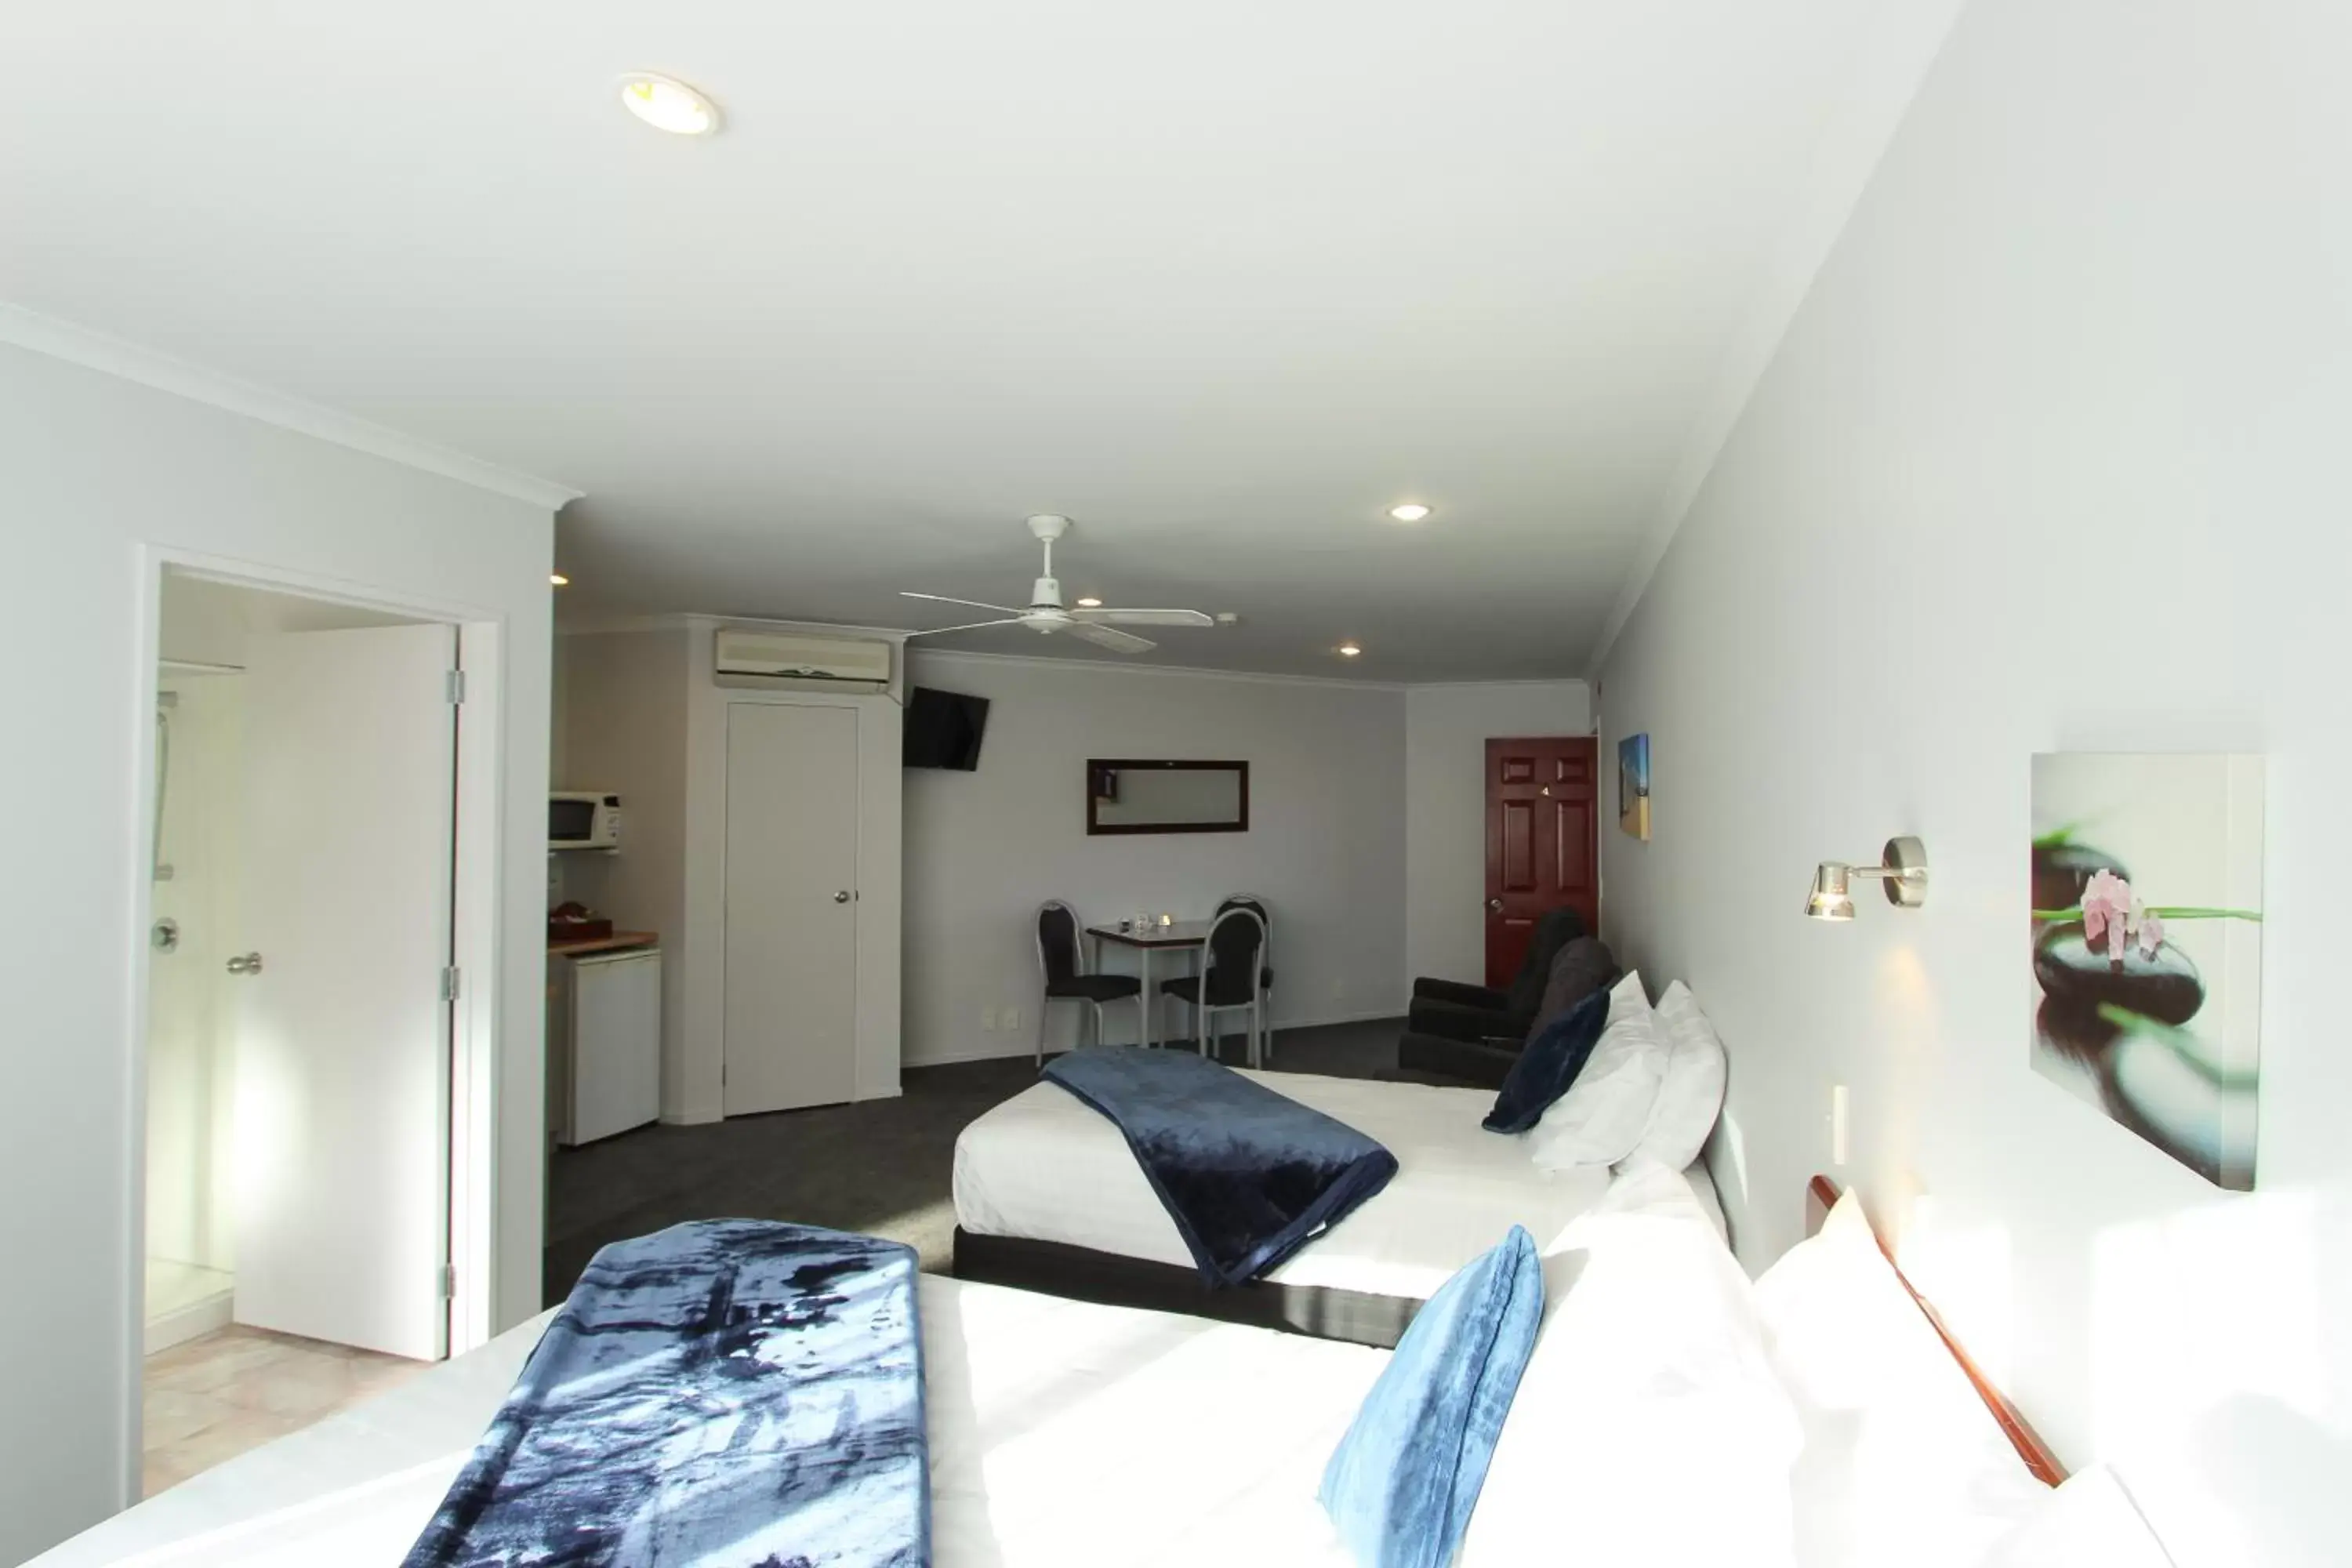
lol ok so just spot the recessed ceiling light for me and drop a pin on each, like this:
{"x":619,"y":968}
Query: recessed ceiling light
{"x":668,"y":104}
{"x":1409,"y":512}
{"x":1349,"y":650}
{"x":1090,"y":604}
{"x":557,"y":579}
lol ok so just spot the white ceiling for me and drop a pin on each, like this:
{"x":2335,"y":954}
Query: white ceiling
{"x":1220,"y":281}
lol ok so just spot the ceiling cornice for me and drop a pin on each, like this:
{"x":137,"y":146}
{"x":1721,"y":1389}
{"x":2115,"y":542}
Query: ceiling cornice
{"x":1889,"y":66}
{"x":97,"y":350}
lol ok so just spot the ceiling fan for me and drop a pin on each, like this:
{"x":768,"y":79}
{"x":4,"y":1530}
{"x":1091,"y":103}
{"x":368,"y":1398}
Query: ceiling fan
{"x":1045,"y":613}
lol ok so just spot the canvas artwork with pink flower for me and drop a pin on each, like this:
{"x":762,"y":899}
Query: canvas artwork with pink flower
{"x":2147,"y":946}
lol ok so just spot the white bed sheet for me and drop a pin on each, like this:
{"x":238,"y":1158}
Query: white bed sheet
{"x":1046,"y":1166}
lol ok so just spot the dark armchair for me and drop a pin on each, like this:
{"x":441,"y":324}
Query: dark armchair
{"x":1474,"y":1032}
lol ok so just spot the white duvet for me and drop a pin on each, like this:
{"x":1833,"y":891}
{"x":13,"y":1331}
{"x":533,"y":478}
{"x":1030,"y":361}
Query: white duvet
{"x":1044,"y":1167}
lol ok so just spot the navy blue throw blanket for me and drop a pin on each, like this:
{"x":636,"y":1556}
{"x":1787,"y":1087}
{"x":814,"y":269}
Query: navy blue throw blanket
{"x":730,"y":1394}
{"x":1248,"y":1175}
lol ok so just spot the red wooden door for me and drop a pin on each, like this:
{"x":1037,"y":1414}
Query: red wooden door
{"x":1543,"y":841}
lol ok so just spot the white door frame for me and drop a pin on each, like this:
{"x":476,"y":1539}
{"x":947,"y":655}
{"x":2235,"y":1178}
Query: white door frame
{"x":474,"y":1034}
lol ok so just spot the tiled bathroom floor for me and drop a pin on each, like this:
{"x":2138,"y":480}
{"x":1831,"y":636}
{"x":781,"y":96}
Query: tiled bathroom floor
{"x":236,"y":1388}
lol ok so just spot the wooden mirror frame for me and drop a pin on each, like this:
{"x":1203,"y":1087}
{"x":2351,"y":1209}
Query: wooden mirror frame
{"x":1097,"y":766}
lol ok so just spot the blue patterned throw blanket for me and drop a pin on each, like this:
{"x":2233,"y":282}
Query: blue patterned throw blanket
{"x":1248,"y":1175}
{"x":730,"y":1394}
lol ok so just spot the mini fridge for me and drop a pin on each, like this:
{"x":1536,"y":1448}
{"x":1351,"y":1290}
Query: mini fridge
{"x":607,"y":1035}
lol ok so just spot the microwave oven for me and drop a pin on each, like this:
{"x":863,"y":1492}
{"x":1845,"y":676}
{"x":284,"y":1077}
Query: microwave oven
{"x":583,"y":819}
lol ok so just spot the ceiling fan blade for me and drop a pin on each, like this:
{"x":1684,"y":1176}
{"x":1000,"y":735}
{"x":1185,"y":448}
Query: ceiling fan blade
{"x":1104,"y":636}
{"x":967,"y":604}
{"x":942,"y":631}
{"x":1147,"y":617}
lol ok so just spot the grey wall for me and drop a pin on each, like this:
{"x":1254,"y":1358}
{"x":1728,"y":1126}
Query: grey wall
{"x":1325,"y":848}
{"x":623,"y":728}
{"x":2052,"y":458}
{"x":91,"y":467}
{"x":1447,"y":732}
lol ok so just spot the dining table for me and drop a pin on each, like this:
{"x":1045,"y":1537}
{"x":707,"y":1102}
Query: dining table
{"x":1175,"y":936}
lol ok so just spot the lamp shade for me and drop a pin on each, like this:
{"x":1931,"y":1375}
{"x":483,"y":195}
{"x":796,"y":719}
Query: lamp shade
{"x":1829,"y":899}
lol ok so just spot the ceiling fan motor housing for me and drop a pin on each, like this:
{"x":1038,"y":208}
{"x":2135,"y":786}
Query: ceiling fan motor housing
{"x":1046,"y":594}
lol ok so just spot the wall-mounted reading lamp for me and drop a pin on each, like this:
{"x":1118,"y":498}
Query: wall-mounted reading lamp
{"x":1905,"y":869}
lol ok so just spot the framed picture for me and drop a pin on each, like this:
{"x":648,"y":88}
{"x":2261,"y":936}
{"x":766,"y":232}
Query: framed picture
{"x":2146,"y":946}
{"x":1633,"y":785}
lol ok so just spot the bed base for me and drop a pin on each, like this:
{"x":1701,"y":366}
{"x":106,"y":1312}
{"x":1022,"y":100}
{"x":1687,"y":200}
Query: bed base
{"x":1082,"y":1274}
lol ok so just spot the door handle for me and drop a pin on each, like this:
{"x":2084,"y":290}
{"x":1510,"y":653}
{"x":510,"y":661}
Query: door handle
{"x":1494,"y":906}
{"x":842,"y":897}
{"x":246,"y":963}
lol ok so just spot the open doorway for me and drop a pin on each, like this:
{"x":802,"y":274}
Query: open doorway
{"x":299,"y":1061}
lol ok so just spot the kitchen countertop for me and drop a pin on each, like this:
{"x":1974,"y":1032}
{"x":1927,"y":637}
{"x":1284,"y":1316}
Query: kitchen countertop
{"x":618,"y":940}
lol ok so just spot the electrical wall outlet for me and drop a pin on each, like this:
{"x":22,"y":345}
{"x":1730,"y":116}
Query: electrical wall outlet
{"x":1010,"y":1017}
{"x":988,"y":1019}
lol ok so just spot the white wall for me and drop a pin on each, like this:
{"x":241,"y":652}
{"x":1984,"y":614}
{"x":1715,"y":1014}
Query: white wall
{"x":1325,"y":848}
{"x":624,"y":705}
{"x":93,"y":467}
{"x":1446,"y":731}
{"x":2052,"y":458}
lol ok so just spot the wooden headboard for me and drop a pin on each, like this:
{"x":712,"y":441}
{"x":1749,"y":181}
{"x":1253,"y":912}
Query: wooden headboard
{"x":1820,"y":1197}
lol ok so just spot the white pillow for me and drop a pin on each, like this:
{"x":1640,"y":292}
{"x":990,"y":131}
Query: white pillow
{"x":1691,"y":1097}
{"x":1604,"y":1112}
{"x":2089,"y":1522}
{"x":1902,"y":1463}
{"x":1648,"y":1427}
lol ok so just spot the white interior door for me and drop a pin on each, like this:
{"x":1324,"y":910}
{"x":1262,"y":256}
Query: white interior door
{"x":791,"y":907}
{"x":343,"y":1040}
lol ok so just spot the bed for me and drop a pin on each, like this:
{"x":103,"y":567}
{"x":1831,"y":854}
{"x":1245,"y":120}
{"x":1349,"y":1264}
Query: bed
{"x":1055,"y":1427}
{"x":1061,"y":1433}
{"x":1066,"y":1432}
{"x":1049,"y":1197}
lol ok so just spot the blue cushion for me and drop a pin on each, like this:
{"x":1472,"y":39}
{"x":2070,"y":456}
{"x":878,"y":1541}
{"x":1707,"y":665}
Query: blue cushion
{"x":1548,"y":1065}
{"x":1402,"y":1482}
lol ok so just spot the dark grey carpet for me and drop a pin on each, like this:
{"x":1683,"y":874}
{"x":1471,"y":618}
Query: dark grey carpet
{"x":883,"y":1166}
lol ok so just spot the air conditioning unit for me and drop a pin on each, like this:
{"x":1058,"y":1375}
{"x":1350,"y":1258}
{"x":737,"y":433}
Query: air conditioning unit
{"x":802,"y":661}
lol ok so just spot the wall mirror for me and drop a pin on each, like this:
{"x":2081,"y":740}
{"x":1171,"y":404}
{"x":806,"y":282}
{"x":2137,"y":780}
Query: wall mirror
{"x":1128,"y":794}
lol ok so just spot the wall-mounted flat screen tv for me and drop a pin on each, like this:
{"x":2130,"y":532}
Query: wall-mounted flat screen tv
{"x":943,"y":729}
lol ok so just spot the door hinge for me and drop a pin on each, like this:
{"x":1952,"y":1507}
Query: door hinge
{"x":455,"y":687}
{"x":448,"y":1282}
{"x":452,"y":981}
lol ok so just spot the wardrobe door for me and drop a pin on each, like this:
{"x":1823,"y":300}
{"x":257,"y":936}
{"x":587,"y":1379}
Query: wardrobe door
{"x":791,"y":907}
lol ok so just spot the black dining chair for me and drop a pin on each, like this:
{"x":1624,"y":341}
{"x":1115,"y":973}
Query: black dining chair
{"x":1061,"y":959}
{"x":1256,"y":906}
{"x":1228,"y":979}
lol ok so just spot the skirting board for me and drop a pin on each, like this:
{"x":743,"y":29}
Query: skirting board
{"x":1081,"y":1274}
{"x":185,"y":1323}
{"x":1026,"y":1045}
